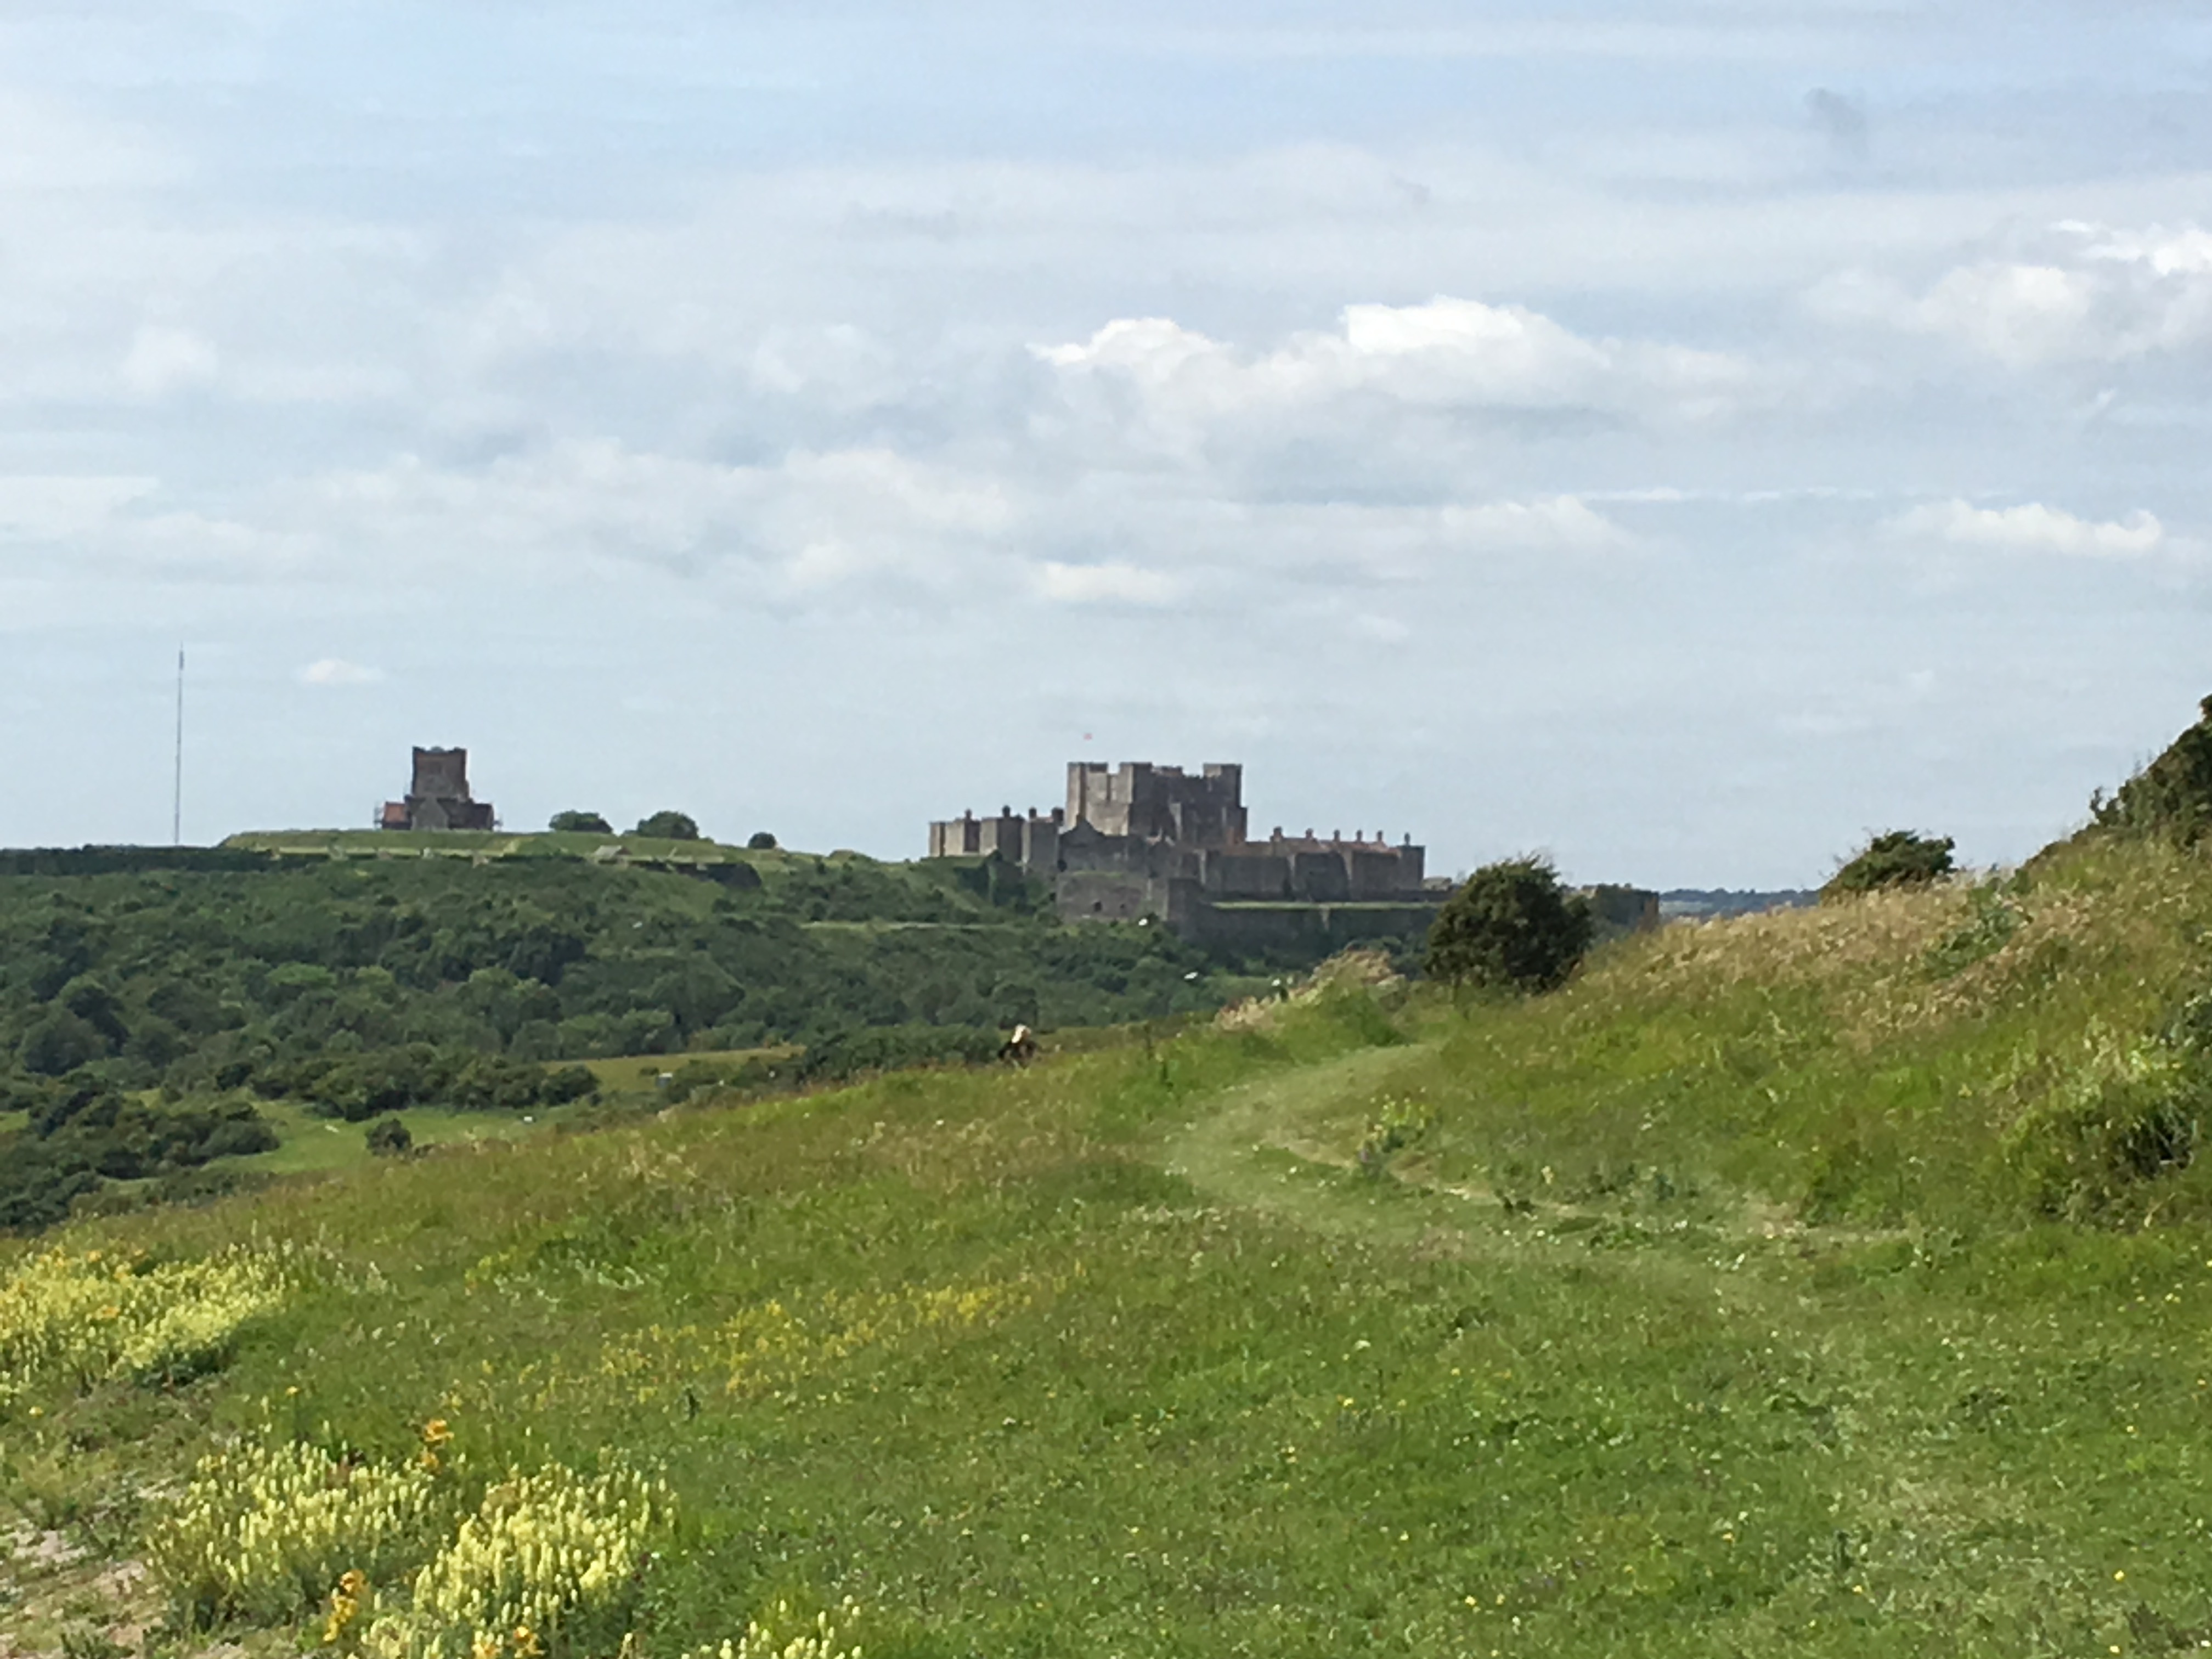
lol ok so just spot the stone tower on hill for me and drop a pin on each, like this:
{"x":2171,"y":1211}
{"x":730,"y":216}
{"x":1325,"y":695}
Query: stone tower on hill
{"x":439,"y":799}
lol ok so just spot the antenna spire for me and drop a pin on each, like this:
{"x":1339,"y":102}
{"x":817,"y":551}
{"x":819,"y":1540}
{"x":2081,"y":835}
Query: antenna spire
{"x":177,"y":796}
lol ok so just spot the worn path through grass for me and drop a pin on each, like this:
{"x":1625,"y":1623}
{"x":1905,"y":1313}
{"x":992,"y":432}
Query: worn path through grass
{"x":1894,"y":1368}
{"x":1674,"y":1329}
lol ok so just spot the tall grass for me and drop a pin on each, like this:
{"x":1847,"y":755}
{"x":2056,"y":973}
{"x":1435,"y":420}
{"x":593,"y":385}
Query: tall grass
{"x":1704,"y":1307}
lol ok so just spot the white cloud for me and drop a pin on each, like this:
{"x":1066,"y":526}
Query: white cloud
{"x":46,"y":144}
{"x":1445,"y":352}
{"x":2082,"y":293}
{"x":1384,"y":631}
{"x":807,"y":523}
{"x":336,"y":671}
{"x":2033,"y":527}
{"x":166,"y":360}
{"x":1561,"y":522}
{"x":44,"y":508}
{"x":1106,"y":584}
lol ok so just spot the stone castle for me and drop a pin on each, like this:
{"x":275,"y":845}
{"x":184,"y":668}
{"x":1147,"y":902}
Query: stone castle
{"x":439,"y":799}
{"x":1143,"y":841}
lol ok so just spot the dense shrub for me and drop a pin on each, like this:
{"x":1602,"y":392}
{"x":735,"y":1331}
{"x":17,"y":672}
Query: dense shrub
{"x":889,"y":1047}
{"x":81,"y":1134}
{"x":1510,"y":926}
{"x":1896,"y":858}
{"x":358,"y":1087}
{"x":668,"y":826}
{"x":2123,"y":1119}
{"x":2172,"y":795}
{"x":388,"y":1137}
{"x":581,"y":824}
{"x":760,"y":842}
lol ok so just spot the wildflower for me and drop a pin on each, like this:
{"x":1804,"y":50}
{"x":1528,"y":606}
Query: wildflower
{"x":345,"y":1605}
{"x":257,"y":1528}
{"x":64,"y":1317}
{"x":540,"y":1548}
{"x":435,"y":1437}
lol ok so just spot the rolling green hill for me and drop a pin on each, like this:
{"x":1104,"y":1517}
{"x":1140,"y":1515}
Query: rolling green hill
{"x":1832,"y":1281}
{"x":151,"y":999}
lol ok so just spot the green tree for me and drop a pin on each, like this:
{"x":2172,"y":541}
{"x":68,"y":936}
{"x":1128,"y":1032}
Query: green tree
{"x":668,"y":826}
{"x":585,"y":823}
{"x":1896,"y":858}
{"x":760,"y":842}
{"x":60,"y":1042}
{"x":1511,"y":926}
{"x":389,"y":1138}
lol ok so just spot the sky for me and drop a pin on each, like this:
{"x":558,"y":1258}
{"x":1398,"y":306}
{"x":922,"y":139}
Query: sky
{"x":1681,"y":437}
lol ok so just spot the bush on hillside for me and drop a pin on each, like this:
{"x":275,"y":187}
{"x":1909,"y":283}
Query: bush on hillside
{"x":2121,"y":1119}
{"x":1510,"y":926}
{"x":668,"y":826}
{"x":357,"y":1087}
{"x":588,"y":823}
{"x":82,"y":1134}
{"x":390,"y":1138}
{"x":894,"y":1047}
{"x":760,"y":840}
{"x":1896,"y":858}
{"x":2172,"y":795}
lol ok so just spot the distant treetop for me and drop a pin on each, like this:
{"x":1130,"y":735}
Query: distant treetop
{"x":760,"y":842}
{"x":1896,"y":858}
{"x":668,"y":826}
{"x":590,"y":823}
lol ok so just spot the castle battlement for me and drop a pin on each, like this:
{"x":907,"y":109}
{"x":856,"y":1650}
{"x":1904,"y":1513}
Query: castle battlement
{"x":1143,"y":840}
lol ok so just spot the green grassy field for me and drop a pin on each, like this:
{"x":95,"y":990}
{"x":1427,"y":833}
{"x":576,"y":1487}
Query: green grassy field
{"x":320,"y":1145}
{"x":490,"y":843}
{"x":1725,"y":1303}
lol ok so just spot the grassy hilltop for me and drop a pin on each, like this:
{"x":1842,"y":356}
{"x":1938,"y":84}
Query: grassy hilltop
{"x":1795,"y":1283}
{"x":1830,"y":1282}
{"x":165,"y":1016}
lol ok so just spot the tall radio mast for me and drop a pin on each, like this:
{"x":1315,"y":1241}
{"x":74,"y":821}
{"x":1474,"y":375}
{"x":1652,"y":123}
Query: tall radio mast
{"x":177,"y":796}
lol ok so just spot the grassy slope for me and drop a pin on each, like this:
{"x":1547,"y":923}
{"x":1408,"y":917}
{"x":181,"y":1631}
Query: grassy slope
{"x":1195,"y":1387}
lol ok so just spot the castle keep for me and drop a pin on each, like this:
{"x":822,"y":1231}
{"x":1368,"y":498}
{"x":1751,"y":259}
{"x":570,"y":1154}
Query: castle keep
{"x":439,"y":799}
{"x":1145,"y":840}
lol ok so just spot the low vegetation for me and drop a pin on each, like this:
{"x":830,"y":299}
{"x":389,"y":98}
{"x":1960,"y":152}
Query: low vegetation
{"x":1832,"y":1281}
{"x":2171,"y":797}
{"x":150,"y":1016}
{"x":1829,"y":1281}
{"x":1896,"y":858}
